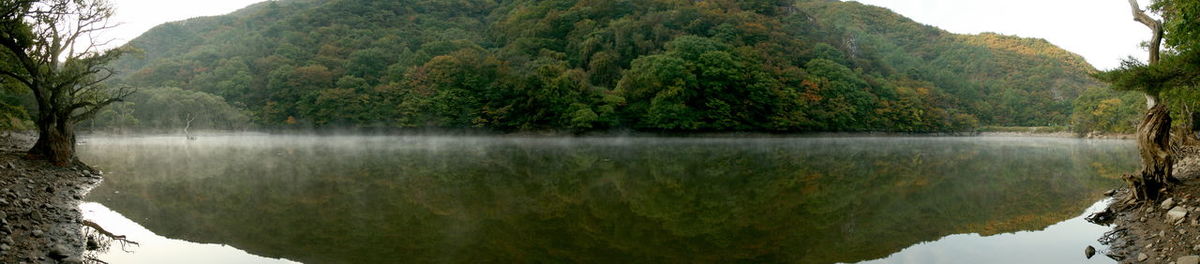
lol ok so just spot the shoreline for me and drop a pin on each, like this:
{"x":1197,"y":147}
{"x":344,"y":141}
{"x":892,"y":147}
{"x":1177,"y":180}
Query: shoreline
{"x":631,"y":134}
{"x":40,"y":218}
{"x":1167,"y":231}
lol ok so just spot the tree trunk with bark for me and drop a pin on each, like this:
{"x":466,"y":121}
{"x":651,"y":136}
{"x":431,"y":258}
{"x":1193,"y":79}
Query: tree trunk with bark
{"x":56,"y":141}
{"x":1154,"y":145}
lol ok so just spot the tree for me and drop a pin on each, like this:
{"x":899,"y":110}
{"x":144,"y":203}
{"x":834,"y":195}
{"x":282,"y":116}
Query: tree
{"x":49,"y":47}
{"x":1160,"y":74}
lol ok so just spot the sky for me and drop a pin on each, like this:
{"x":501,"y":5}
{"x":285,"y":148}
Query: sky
{"x":1102,"y":31}
{"x":138,"y":16}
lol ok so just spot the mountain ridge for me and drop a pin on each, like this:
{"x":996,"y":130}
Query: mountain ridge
{"x":572,"y":65}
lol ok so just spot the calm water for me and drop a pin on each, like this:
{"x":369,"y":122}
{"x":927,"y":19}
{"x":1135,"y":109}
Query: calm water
{"x":368,"y":199}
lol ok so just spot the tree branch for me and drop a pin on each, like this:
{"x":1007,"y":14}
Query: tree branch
{"x":1156,"y":28}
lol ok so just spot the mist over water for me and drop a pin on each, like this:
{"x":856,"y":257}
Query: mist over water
{"x":385,"y":199}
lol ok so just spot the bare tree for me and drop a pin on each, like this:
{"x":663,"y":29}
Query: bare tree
{"x":52,"y":48}
{"x":189,"y":118}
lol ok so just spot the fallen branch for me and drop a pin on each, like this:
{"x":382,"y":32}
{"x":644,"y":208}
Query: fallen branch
{"x":110,"y":235}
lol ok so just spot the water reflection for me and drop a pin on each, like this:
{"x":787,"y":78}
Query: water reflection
{"x":1058,"y":243}
{"x":157,"y":249}
{"x":360,"y":199}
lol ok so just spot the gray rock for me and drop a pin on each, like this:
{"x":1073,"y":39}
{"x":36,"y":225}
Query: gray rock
{"x":1142,"y":257}
{"x":1167,"y":204}
{"x":72,"y":260}
{"x":5,"y":247}
{"x":1176,"y":214}
{"x":1193,"y":259}
{"x":59,"y":252}
{"x":37,"y":233}
{"x":1089,"y":252}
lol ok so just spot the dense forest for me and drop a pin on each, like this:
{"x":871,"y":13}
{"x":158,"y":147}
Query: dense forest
{"x":583,"y":65}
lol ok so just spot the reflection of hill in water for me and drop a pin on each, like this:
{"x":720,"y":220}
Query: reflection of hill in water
{"x":378,"y":200}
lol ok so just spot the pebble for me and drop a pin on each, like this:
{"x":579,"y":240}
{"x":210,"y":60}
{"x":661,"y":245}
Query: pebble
{"x":72,"y":260}
{"x":1142,"y":257}
{"x":1167,"y":204}
{"x":59,"y":252}
{"x":1176,"y":214}
{"x":37,"y":233}
{"x":1193,"y":259}
{"x":1089,"y":252}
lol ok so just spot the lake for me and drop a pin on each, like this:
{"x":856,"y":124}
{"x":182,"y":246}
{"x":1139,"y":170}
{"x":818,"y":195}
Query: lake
{"x":257,"y":198}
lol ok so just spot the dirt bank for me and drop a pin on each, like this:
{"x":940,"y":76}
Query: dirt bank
{"x":1167,"y":231}
{"x":39,"y":206}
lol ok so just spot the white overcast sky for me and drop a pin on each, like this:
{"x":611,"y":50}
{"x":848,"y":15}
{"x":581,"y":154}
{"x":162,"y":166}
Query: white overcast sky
{"x":1103,"y":31}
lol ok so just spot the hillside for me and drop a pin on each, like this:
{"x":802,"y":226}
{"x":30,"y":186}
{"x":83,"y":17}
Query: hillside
{"x":675,"y":65}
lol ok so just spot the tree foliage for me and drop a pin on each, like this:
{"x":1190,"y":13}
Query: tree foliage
{"x":521,"y":65}
{"x":168,"y":109}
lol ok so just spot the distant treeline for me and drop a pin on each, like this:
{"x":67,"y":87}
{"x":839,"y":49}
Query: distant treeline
{"x":583,"y":65}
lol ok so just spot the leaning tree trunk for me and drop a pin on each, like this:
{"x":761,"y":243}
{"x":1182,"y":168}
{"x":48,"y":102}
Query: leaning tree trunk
{"x":56,"y":141}
{"x":1154,"y":133}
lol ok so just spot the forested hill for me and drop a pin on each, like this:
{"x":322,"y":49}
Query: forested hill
{"x":676,"y":65}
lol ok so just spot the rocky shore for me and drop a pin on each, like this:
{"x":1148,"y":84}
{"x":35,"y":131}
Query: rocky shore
{"x":1163,"y":232}
{"x":1092,"y":135}
{"x":40,"y":221}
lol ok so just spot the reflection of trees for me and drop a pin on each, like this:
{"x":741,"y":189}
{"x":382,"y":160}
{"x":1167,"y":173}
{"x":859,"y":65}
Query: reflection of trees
{"x":635,"y":200}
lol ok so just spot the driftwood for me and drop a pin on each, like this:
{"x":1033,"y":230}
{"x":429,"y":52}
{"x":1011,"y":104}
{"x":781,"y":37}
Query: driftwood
{"x":121,"y":239}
